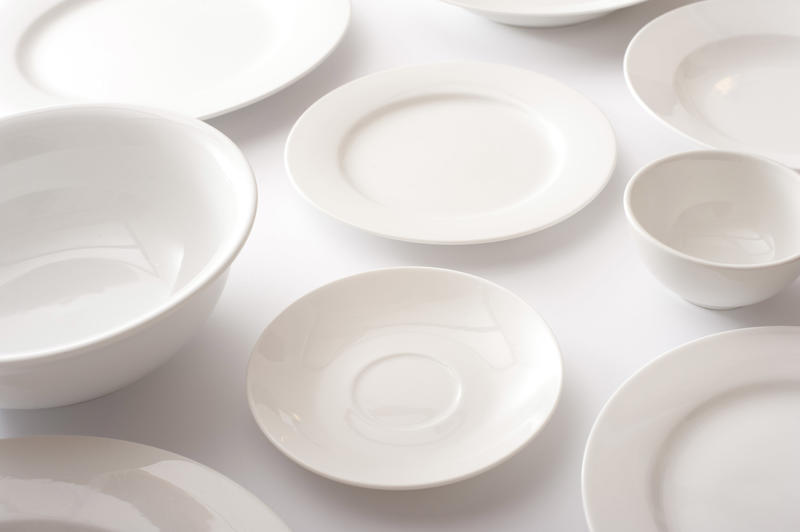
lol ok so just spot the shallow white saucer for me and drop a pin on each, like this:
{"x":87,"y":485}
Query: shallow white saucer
{"x":85,"y":484}
{"x":725,"y":73}
{"x":404,"y":378}
{"x":542,"y":13}
{"x":705,"y":438}
{"x":201,"y":59}
{"x":452,"y":153}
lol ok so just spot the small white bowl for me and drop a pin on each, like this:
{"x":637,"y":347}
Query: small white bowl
{"x":720,"y":229}
{"x":117,"y":226}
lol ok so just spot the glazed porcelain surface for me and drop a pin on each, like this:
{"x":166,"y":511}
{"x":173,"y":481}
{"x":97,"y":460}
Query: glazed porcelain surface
{"x":117,"y":226}
{"x":720,"y":229}
{"x":725,"y":73}
{"x":404,"y":378}
{"x":542,"y":13}
{"x":201,"y":59}
{"x":452,"y":153}
{"x":85,"y":484}
{"x":703,"y":438}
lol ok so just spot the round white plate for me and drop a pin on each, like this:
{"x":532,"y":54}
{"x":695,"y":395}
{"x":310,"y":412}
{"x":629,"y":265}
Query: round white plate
{"x":542,"y":13}
{"x":201,"y":58}
{"x":86,"y":484}
{"x":725,"y":73}
{"x":404,"y":378}
{"x":705,"y":438}
{"x":452,"y":153}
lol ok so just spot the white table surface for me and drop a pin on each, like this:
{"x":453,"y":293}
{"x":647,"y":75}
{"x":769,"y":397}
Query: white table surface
{"x":582,"y":275}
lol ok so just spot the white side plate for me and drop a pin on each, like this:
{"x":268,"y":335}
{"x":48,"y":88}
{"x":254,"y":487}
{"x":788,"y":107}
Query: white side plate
{"x":404,"y":378}
{"x":704,"y":438}
{"x":452,"y":153}
{"x":542,"y":13}
{"x":725,"y":73}
{"x":201,"y":59}
{"x":85,"y":484}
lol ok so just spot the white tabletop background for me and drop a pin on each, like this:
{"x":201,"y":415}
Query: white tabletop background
{"x":582,"y":275}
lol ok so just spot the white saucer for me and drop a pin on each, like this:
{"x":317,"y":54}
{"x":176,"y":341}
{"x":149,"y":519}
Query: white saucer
{"x":542,"y":13}
{"x":724,"y":73}
{"x":452,"y":153}
{"x":404,"y":378}
{"x":85,"y":484}
{"x":201,"y":59}
{"x":705,"y":438}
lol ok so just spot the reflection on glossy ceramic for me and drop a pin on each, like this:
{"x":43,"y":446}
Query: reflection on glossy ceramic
{"x":404,"y":378}
{"x":108,"y":218}
{"x":76,"y":483}
{"x":199,"y":58}
{"x":542,"y":13}
{"x":720,"y":229}
{"x":703,"y":438}
{"x":454,"y":153}
{"x":728,"y":78}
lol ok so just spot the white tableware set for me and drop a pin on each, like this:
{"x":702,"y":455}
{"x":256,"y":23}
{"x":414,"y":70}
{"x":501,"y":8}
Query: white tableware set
{"x":119,"y":221}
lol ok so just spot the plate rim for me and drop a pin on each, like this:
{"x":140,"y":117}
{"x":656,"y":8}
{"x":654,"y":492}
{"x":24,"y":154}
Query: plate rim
{"x":116,"y":443}
{"x":649,"y":366}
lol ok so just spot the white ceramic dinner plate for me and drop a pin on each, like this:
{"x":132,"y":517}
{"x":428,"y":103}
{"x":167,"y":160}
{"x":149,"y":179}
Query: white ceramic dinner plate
{"x":404,"y":378}
{"x":452,"y":153}
{"x":86,"y":484}
{"x":725,"y":73}
{"x":542,"y":13}
{"x":201,"y":58}
{"x":705,"y":438}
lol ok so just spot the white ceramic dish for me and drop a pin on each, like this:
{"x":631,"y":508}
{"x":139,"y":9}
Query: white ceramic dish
{"x":704,"y":438}
{"x":117,"y":226}
{"x":725,"y":73}
{"x":84,"y":484}
{"x":720,"y":229}
{"x":404,"y":378}
{"x":453,"y":153}
{"x":201,"y":59}
{"x":542,"y":13}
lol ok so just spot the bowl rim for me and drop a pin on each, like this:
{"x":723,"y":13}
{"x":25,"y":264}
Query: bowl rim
{"x":234,"y":164}
{"x":725,"y":154}
{"x":579,"y":7}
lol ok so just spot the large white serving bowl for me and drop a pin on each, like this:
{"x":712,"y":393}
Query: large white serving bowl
{"x":117,"y":226}
{"x":542,"y":13}
{"x":725,"y":73}
{"x":404,"y":378}
{"x":86,"y":484}
{"x":704,"y":438}
{"x":720,"y":229}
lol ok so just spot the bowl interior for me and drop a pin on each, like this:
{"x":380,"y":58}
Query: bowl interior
{"x":720,"y":207}
{"x":105,"y":215}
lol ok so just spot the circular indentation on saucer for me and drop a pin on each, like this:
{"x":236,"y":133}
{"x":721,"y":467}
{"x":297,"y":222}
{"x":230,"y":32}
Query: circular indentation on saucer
{"x":738,"y":455}
{"x":746,"y":88}
{"x":406,"y":391}
{"x":428,"y":154}
{"x":101,"y":50}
